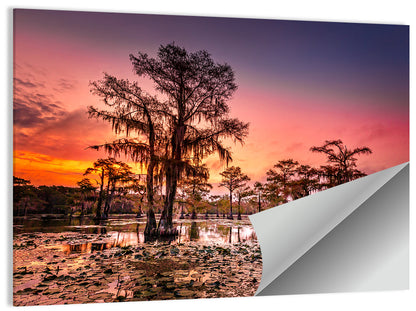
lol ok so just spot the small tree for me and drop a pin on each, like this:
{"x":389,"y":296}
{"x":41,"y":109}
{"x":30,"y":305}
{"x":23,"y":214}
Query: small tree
{"x":139,"y":116}
{"x":242,"y":192}
{"x":119,"y":179}
{"x":258,"y":189}
{"x":233,"y":179}
{"x":23,"y":194}
{"x":110,"y":173}
{"x":343,"y":161}
{"x":87,"y":191}
{"x":195,"y":185}
{"x":306,"y":181}
{"x":215,"y":200}
{"x":280,"y":178}
{"x":138,"y":188}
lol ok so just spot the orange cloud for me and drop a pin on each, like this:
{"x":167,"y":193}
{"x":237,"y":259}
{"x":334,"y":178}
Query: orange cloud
{"x":42,"y":169}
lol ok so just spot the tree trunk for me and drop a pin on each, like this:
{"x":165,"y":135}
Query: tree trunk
{"x":239,"y":207}
{"x":139,"y":212}
{"x":100,"y":197}
{"x":108,"y":201}
{"x":107,"y":198}
{"x":182,"y":215}
{"x":150,"y":228}
{"x":193,"y":215}
{"x":173,"y":172}
{"x":165,"y":227}
{"x":230,"y":216}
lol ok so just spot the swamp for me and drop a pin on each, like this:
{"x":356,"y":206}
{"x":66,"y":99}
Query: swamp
{"x":138,"y":184}
{"x":79,"y":260}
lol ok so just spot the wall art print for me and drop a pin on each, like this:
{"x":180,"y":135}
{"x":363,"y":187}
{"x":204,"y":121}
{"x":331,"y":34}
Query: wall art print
{"x":147,"y":146}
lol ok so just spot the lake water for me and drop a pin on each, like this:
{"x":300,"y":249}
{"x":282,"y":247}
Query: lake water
{"x":122,"y":231}
{"x":61,"y":260}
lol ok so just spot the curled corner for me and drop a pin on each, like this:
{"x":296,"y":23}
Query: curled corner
{"x":285,"y":233}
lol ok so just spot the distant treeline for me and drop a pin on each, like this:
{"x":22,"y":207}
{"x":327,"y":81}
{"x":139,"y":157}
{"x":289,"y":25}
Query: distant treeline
{"x":290,"y":180}
{"x":29,"y":199}
{"x":119,"y":190}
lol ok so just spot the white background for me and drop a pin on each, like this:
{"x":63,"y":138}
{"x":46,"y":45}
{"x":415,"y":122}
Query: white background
{"x":381,"y":11}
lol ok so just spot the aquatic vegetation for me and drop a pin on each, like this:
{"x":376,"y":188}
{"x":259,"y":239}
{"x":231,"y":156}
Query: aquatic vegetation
{"x":77,"y":267}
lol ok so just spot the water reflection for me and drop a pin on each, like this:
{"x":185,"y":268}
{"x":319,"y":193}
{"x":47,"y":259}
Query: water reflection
{"x":87,"y":247}
{"x":128,"y":231}
{"x":55,"y":225}
{"x":194,"y":232}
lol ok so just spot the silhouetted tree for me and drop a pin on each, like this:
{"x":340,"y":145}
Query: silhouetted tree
{"x":305,"y":182}
{"x":196,"y":90}
{"x":140,"y":189}
{"x":232,"y":179}
{"x":343,"y":161}
{"x":140,"y":117}
{"x":215,"y":200}
{"x":194,"y":232}
{"x":110,"y":172}
{"x":242,"y":192}
{"x":23,"y":194}
{"x":17,"y":181}
{"x":195,"y":185}
{"x":280,"y":177}
{"x":98,"y":168}
{"x":259,"y":189}
{"x":119,"y":176}
{"x":87,"y":191}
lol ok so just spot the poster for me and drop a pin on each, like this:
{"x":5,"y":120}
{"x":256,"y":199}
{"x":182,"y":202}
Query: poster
{"x":279,"y":98}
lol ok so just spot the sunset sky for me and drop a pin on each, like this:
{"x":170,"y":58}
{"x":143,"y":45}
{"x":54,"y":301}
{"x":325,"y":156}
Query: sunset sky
{"x":299,"y":84}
